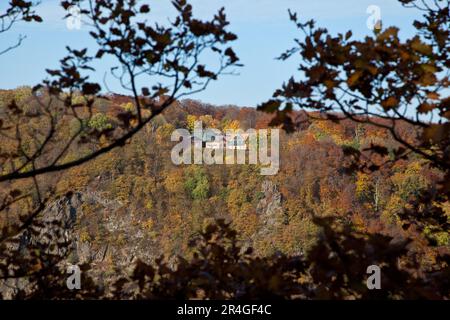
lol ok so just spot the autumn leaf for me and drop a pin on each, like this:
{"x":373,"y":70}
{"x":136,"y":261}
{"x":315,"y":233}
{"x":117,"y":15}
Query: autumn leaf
{"x":428,"y":79}
{"x":436,"y":132}
{"x":270,"y":106}
{"x":425,"y":108}
{"x":353,"y":79}
{"x":91,"y":88}
{"x":389,"y":32}
{"x":145,"y":91}
{"x":389,"y":103}
{"x":421,"y":47}
{"x":145,"y":9}
{"x":428,"y":68}
{"x":433,"y":95}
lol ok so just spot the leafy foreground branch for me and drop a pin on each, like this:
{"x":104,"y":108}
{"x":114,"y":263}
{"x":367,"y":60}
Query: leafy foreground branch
{"x":65,"y":126}
{"x":334,"y":269}
{"x":382,"y":80}
{"x":168,"y":59}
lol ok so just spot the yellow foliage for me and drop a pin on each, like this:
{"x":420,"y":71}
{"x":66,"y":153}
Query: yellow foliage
{"x":84,"y":236}
{"x":148,"y":225}
{"x":191,"y":122}
{"x":164,"y":132}
{"x":149,"y":204}
{"x":332,"y":130}
{"x":232,"y":125}
{"x":362,"y":184}
{"x":174,"y":181}
{"x":128,"y":107}
{"x":208,"y":121}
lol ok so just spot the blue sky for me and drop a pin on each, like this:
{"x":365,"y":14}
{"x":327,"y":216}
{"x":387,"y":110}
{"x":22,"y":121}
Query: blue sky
{"x":263,"y":28}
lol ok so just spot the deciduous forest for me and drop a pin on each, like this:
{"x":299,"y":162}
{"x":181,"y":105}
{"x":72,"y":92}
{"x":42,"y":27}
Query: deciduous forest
{"x":86,"y":176}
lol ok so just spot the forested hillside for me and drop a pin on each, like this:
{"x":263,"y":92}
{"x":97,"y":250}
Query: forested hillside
{"x":135,"y":203}
{"x":90,"y":180}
